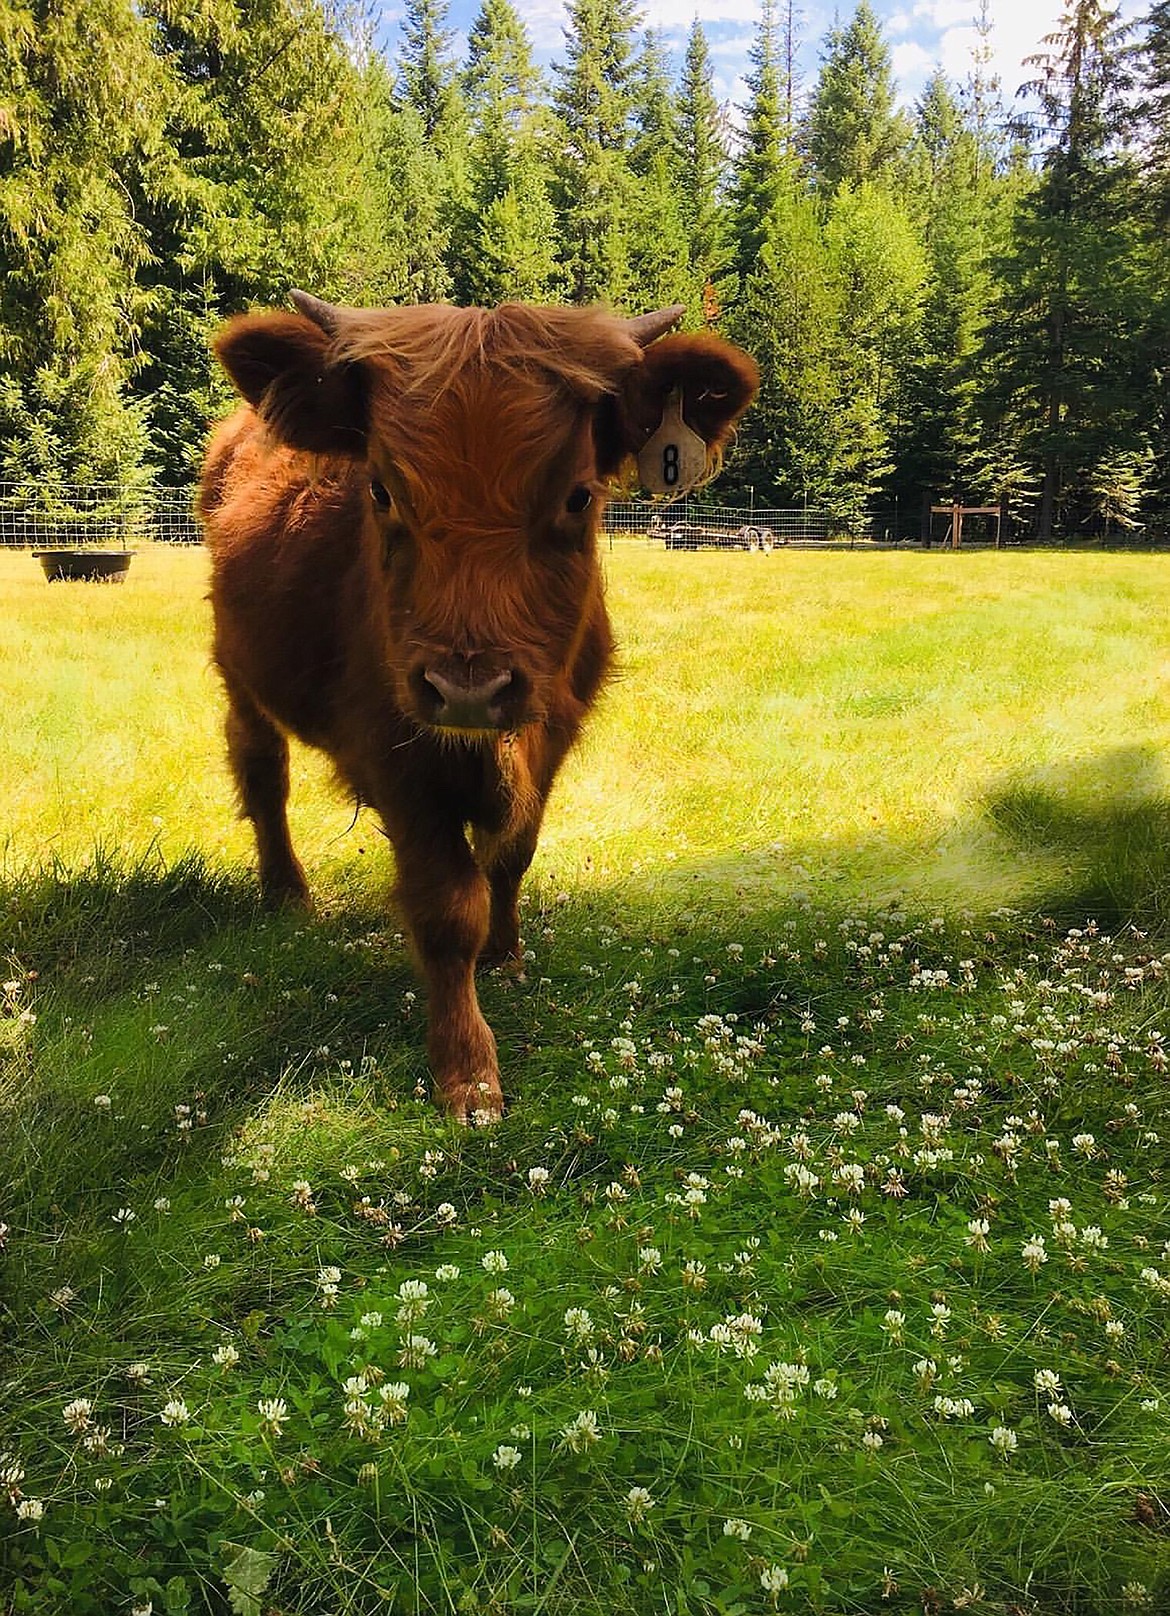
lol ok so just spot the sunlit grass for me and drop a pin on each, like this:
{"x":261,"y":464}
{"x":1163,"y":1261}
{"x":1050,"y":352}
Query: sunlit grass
{"x":720,"y":990}
{"x":782,"y":720}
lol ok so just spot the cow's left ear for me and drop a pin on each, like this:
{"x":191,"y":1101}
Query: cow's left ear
{"x":680,"y":406}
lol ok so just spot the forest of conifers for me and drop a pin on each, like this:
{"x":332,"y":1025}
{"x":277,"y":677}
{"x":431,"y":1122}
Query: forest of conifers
{"x":969,"y":299}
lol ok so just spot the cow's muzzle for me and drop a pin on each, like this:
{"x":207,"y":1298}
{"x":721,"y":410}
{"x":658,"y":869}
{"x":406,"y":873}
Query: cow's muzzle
{"x":455,"y":694}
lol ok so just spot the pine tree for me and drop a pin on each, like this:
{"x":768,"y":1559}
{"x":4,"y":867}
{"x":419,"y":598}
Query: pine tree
{"x":877,"y":256}
{"x":272,"y":178}
{"x":941,"y":448}
{"x":427,"y":69}
{"x":1072,"y":377}
{"x":700,"y":162}
{"x":764,"y":166}
{"x":854,"y":132}
{"x":509,"y":227}
{"x":594,"y":182}
{"x":84,"y":104}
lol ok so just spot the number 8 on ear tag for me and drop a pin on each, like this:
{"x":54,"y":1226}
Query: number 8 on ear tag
{"x":674,"y":458}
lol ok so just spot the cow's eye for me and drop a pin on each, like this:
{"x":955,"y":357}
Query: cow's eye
{"x":579,"y":500}
{"x":380,"y":495}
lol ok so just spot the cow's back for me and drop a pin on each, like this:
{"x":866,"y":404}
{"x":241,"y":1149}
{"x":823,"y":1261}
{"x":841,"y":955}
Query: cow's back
{"x":294,"y":615}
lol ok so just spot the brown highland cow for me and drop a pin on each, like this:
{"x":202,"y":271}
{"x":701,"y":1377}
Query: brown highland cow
{"x":403,"y":523}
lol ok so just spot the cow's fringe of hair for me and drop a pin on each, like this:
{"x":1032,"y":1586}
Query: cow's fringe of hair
{"x":429,"y":348}
{"x":430,"y":366}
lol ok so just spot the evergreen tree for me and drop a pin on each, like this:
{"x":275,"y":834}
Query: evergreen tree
{"x":877,"y":257}
{"x":84,"y":104}
{"x":427,"y":69}
{"x":510,"y":226}
{"x":594,"y":182}
{"x":764,"y":165}
{"x":271,"y":181}
{"x":699,"y":164}
{"x":854,"y":132}
{"x":1153,"y":63}
{"x":659,"y":258}
{"x":941,"y":450}
{"x":1072,"y":375}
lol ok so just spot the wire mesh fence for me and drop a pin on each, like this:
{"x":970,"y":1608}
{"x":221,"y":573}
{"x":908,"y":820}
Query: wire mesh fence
{"x":690,"y":525}
{"x":95,"y":515}
{"x":110,"y":516}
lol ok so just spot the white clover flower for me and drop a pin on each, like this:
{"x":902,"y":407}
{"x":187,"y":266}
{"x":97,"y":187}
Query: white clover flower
{"x":894,"y":1323}
{"x":102,"y":1102}
{"x":393,"y":1396}
{"x":582,"y":1431}
{"x":30,"y":1509}
{"x":125,"y":1216}
{"x":578,"y":1324}
{"x":1114,"y":1329}
{"x":212,"y":1261}
{"x":1085,"y":1145}
{"x":445,"y":1213}
{"x":273,"y":1413}
{"x":371,"y":1321}
{"x":639,"y":1503}
{"x":872,"y":1441}
{"x":1047,"y":1381}
{"x":977,"y":1231}
{"x":745,"y":1330}
{"x":954,"y":1407}
{"x":735,"y":1527}
{"x":1005,"y":1441}
{"x":649,"y":1259}
{"x":826,"y":1388}
{"x":500,"y":1302}
{"x":538,"y":1179}
{"x":1033,"y":1253}
{"x":226,"y":1356}
{"x":506,"y":1458}
{"x":78,"y":1415}
{"x":413,"y":1298}
{"x":495,"y":1262}
{"x":175,"y":1412}
{"x":446,"y":1272}
{"x":417,"y":1351}
{"x":773,"y":1579}
{"x":1061,"y":1413}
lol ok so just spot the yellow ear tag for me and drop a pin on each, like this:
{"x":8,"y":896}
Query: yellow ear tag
{"x":674,"y":458}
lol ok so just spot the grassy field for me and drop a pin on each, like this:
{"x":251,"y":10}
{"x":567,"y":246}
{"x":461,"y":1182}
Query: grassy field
{"x":822,"y":1259}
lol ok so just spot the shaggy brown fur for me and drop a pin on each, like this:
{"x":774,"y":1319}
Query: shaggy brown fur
{"x":403,"y":576}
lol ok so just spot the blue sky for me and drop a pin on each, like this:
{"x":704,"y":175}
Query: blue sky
{"x":921,"y":34}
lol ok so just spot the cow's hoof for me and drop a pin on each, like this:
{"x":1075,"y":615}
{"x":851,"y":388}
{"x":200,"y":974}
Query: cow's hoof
{"x":285,"y":892}
{"x":473,"y":1104}
{"x":509,"y":961}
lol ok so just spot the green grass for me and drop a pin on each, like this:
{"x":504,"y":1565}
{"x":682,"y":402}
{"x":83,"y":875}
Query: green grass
{"x":818,"y":858}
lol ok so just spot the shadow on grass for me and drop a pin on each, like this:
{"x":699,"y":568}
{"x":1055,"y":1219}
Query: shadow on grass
{"x":1108,"y":819}
{"x":169,"y":987}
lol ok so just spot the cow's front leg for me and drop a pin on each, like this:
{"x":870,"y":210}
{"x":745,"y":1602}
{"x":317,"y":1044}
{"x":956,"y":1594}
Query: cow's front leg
{"x":447,"y":904}
{"x":506,"y":865}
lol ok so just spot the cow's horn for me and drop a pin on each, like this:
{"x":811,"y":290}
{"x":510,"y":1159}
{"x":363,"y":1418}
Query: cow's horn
{"x":323,"y":314}
{"x":646,"y":328}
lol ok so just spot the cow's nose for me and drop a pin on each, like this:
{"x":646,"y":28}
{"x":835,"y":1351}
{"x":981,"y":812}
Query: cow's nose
{"x":470,"y":705}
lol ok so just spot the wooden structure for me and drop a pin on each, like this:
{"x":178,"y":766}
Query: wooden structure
{"x":956,"y":512}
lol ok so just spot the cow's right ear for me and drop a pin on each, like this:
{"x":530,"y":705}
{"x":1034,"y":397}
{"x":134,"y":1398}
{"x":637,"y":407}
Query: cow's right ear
{"x":283,"y":365}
